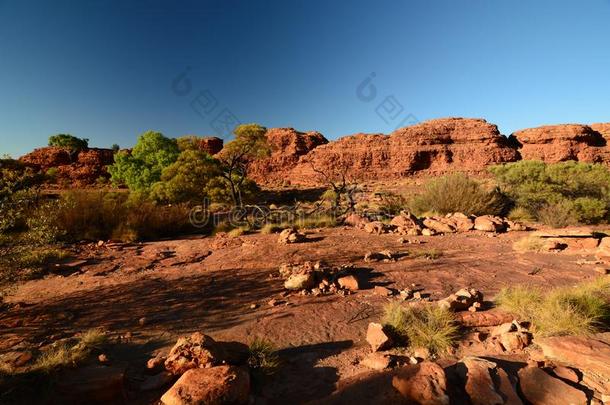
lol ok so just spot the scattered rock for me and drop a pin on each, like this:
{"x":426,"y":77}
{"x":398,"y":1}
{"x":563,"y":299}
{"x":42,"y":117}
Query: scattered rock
{"x":355,"y":220}
{"x":155,"y":364}
{"x":479,"y":383}
{"x":489,"y":223}
{"x":385,"y":256}
{"x":421,"y":353}
{"x":349,"y":282}
{"x":462,"y":299}
{"x":377,"y":361}
{"x":423,"y":383}
{"x":300,"y":281}
{"x":516,"y":340}
{"x":539,"y":387}
{"x":290,"y":235}
{"x":383,"y":291}
{"x":216,"y":385}
{"x":375,"y":227}
{"x":195,"y":351}
{"x":438,"y":226}
{"x":377,"y":337}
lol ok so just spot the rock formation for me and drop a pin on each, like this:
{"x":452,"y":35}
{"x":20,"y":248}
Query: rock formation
{"x":558,"y":143}
{"x":287,"y":147}
{"x":210,"y":144}
{"x":433,"y":147}
{"x":79,"y":169}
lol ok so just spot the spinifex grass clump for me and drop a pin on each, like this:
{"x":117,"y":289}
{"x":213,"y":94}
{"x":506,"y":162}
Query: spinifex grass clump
{"x":579,"y":310}
{"x":263,"y":359}
{"x":426,"y":326}
{"x":457,"y":193}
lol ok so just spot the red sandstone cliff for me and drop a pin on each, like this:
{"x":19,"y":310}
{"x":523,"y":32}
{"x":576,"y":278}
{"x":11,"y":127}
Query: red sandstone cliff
{"x":432,"y":147}
{"x":79,"y":169}
{"x":558,"y":143}
{"x":287,"y":147}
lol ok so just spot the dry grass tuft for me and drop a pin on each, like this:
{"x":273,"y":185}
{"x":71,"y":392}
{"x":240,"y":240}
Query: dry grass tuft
{"x":530,"y":243}
{"x":582,"y":309}
{"x":427,"y":326}
{"x":263,"y":357}
{"x":70,"y":353}
{"x":428,"y":254}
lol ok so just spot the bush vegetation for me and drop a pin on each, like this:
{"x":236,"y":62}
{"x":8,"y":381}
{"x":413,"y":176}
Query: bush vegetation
{"x":457,"y":193}
{"x":427,"y":326}
{"x":578,"y":310}
{"x":70,"y":142}
{"x":557,"y":194}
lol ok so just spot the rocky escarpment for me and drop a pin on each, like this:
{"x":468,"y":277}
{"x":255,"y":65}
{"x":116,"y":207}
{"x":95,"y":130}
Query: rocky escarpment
{"x":287,"y":147}
{"x":558,"y":143}
{"x":79,"y":169}
{"x":433,"y":147}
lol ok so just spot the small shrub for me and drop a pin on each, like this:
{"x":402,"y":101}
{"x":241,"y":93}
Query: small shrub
{"x":23,"y":262}
{"x":558,"y":215}
{"x":271,"y":228}
{"x":68,"y":141}
{"x":427,"y":326}
{"x":239,"y":231}
{"x":391,"y":204}
{"x":578,"y":310}
{"x":558,"y":194}
{"x":317,"y":221}
{"x":262,"y":357}
{"x":520,"y":214}
{"x":458,"y":193}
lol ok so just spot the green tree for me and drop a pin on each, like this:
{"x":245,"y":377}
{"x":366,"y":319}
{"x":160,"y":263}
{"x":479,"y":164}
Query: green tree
{"x":187,"y":178}
{"x":115,"y":147}
{"x":250,"y":144}
{"x":68,"y":141}
{"x":141,"y":168}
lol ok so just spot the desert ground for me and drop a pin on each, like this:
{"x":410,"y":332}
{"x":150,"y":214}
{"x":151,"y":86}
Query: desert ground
{"x":146,"y":295}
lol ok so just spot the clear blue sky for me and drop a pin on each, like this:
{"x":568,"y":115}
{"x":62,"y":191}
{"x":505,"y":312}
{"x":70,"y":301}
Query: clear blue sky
{"x":103,"y":69}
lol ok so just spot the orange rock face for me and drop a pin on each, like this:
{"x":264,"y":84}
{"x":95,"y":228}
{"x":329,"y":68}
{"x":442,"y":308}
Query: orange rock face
{"x":288,"y":146}
{"x":432,"y":147}
{"x":211,"y":145}
{"x":78,"y":169}
{"x":558,"y":143}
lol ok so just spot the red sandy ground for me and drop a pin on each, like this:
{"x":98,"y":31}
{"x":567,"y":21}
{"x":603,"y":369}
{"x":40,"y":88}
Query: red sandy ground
{"x":322,"y":338}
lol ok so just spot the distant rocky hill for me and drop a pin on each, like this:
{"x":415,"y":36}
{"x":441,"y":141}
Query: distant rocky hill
{"x":430,"y":148}
{"x":433,"y":147}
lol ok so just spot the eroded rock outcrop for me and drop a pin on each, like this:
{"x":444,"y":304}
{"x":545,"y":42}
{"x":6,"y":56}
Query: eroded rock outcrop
{"x":433,"y":147}
{"x":79,"y":169}
{"x":287,"y":147}
{"x":558,"y":143}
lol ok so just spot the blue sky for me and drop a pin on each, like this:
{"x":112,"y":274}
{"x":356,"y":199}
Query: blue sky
{"x":109,"y":70}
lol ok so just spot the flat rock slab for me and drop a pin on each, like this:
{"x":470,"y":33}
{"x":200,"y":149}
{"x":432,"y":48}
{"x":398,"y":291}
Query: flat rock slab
{"x":585,"y":353}
{"x":539,"y":388}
